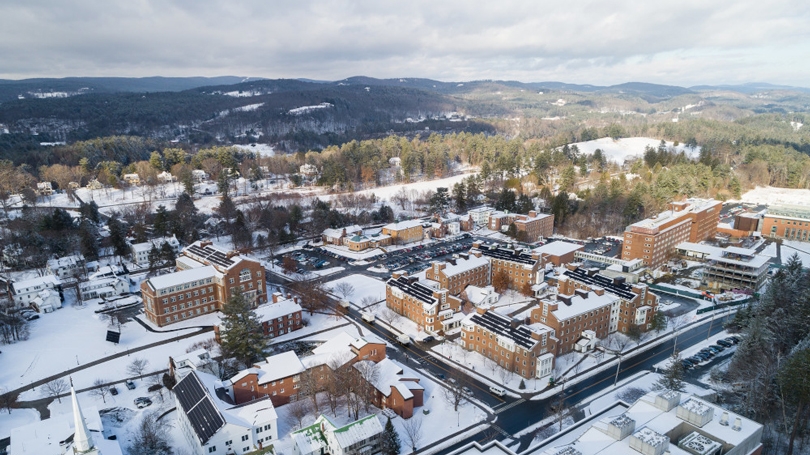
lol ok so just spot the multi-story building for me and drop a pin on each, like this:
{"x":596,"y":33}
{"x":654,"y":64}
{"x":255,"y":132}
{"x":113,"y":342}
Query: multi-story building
{"x":569,"y":316}
{"x":558,"y":253}
{"x":530,"y":228}
{"x":206,"y":280}
{"x":520,"y":266}
{"x":393,"y":389}
{"x":457,"y":273}
{"x":480,"y":215}
{"x":279,"y":317}
{"x":653,"y":240}
{"x":337,"y":236}
{"x":102,"y":288}
{"x":526,"y":350}
{"x":728,"y":268}
{"x":212,"y":425}
{"x":280,"y":376}
{"x":423,"y":302}
{"x":637,"y":305}
{"x":364,"y":242}
{"x":787,"y":221}
{"x":404,"y":231}
{"x":140,"y":251}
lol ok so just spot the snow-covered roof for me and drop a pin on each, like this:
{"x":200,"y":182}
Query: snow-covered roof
{"x":186,"y":262}
{"x":402,"y":225}
{"x":390,"y":375}
{"x":35,"y":284}
{"x":270,"y":311}
{"x":581,"y":305}
{"x":463,"y":265}
{"x":357,"y":431}
{"x":182,"y":277}
{"x":43,"y":437}
{"x":280,"y":366}
{"x":66,"y":261}
{"x":558,"y":248}
{"x":157,"y":243}
{"x":477,"y":295}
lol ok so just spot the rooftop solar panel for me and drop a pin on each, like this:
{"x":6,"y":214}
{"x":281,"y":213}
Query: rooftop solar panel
{"x":198,"y":406}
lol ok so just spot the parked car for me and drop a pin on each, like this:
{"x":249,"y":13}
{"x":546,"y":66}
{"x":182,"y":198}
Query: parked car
{"x":142,"y":402}
{"x":113,"y":391}
{"x":687,"y":364}
{"x":724,"y":343}
{"x":130,"y":385}
{"x":428,"y":339}
{"x":466,"y":390}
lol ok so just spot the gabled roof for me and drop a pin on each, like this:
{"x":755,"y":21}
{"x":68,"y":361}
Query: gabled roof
{"x":196,"y":403}
{"x":357,"y":431}
{"x":280,"y":366}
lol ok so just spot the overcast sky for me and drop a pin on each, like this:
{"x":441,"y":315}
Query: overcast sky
{"x":684,"y":42}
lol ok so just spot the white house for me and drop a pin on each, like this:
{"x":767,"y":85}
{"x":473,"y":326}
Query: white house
{"x":213,"y":426}
{"x":362,"y":436}
{"x":44,"y":188}
{"x":182,"y":365}
{"x":480,"y":215}
{"x":482,"y":296}
{"x":66,"y":267}
{"x":199,"y":175}
{"x":132,"y":179}
{"x":166,"y":177}
{"x":101,"y":288}
{"x":25,"y":291}
{"x":140,"y":251}
{"x":47,"y":300}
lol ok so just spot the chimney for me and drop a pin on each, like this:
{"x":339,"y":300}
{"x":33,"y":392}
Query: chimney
{"x":205,"y":243}
{"x":619,"y":280}
{"x":598,"y":290}
{"x":592,"y":271}
{"x":277,"y":296}
{"x":451,"y":261}
{"x":480,"y":310}
{"x":737,"y":424}
{"x":566,"y":299}
{"x":464,"y":255}
{"x":514,"y":323}
{"x":582,"y":293}
{"x":532,"y":213}
{"x":397,"y":274}
{"x":724,"y":419}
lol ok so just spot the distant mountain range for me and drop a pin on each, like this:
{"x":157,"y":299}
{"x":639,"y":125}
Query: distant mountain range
{"x":301,"y":114}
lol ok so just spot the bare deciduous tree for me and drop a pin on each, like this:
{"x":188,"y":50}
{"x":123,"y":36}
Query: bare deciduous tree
{"x":56,"y":388}
{"x":413,"y":431}
{"x":100,"y":389}
{"x":559,"y":409}
{"x":137,"y":367}
{"x":152,"y":437}
{"x":388,"y":315}
{"x":296,"y":412}
{"x":310,"y":386}
{"x":7,"y":400}
{"x":454,"y":393}
{"x":344,"y":289}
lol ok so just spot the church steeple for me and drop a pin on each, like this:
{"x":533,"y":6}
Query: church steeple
{"x":82,"y":440}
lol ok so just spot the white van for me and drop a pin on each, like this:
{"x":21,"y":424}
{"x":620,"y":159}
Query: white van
{"x":404,"y":339}
{"x":368,"y":317}
{"x":497,"y":390}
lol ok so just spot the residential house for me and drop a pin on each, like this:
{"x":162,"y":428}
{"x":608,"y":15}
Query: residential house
{"x":44,"y":189}
{"x":361,"y":437}
{"x":67,"y":266}
{"x":480,"y":215}
{"x":212,"y":424}
{"x":102,"y":288}
{"x":481,"y":296}
{"x":338,"y":236}
{"x":25,"y":291}
{"x":140,"y":251}
{"x":392,"y":388}
{"x":132,"y":179}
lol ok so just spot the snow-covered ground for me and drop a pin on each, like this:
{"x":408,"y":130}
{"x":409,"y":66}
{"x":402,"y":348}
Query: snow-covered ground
{"x":259,"y":149}
{"x":791,"y":247}
{"x":692,"y":350}
{"x":630,"y":147}
{"x":17,"y":418}
{"x":770,"y":195}
{"x":67,"y":338}
{"x":366,"y":288}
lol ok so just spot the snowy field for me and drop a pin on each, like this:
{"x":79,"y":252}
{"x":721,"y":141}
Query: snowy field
{"x":770,"y":195}
{"x":67,"y":338}
{"x":17,"y":418}
{"x":259,"y":149}
{"x":791,"y":247}
{"x":631,"y":147}
{"x":365,"y":288}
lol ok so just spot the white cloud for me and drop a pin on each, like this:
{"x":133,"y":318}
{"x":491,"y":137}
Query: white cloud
{"x":685,"y":42}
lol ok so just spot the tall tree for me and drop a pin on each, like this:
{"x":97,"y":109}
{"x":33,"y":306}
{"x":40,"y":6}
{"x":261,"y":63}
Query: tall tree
{"x":672,"y":376}
{"x":390,"y":440}
{"x":241,"y":334}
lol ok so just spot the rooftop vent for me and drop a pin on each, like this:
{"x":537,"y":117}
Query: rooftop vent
{"x":737,"y":424}
{"x":649,"y":442}
{"x":724,"y":419}
{"x":695,"y":412}
{"x":698,"y":444}
{"x":667,"y":400}
{"x":620,"y":427}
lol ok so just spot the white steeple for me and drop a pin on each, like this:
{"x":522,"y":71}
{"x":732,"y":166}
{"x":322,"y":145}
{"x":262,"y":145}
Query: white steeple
{"x":82,"y":440}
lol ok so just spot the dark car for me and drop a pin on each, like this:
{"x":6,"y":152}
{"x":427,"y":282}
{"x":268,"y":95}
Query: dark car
{"x":717,"y":348}
{"x":724,"y":343}
{"x":142,"y":402}
{"x":687,"y":364}
{"x":113,"y":391}
{"x":428,"y":339}
{"x":130,"y":385}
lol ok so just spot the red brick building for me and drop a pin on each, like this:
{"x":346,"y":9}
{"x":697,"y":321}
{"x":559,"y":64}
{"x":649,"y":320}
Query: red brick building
{"x":206,"y":279}
{"x":456,"y":274}
{"x":572,"y":314}
{"x":522,"y":267}
{"x":426,"y":304}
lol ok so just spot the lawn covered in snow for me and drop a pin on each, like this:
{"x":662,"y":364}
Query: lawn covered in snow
{"x":365,"y":289}
{"x":626,"y":148}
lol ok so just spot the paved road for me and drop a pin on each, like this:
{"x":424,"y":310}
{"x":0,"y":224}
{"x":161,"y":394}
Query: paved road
{"x":529,"y":412}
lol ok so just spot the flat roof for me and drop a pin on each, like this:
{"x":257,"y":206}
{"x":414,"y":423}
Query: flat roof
{"x":558,"y":248}
{"x":182,"y":277}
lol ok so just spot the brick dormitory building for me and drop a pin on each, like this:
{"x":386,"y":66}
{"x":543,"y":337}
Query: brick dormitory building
{"x":423,"y":302}
{"x":456,"y":274}
{"x":206,"y":279}
{"x":520,"y":266}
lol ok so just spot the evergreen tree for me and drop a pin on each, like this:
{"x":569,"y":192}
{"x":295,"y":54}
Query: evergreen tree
{"x":439,"y":201}
{"x":88,"y":235}
{"x":460,"y":196}
{"x":167,"y":255}
{"x":161,"y":223}
{"x":118,"y":236}
{"x":390,"y":440}
{"x":672,"y":376}
{"x":241,"y":335}
{"x":154,"y":259}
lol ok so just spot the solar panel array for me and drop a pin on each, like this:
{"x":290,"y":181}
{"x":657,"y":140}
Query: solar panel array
{"x":500,"y":325}
{"x":417,"y":290}
{"x":212,"y":255}
{"x":507,"y":255}
{"x":620,"y":290}
{"x":204,"y":416}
